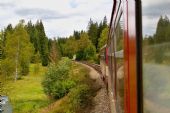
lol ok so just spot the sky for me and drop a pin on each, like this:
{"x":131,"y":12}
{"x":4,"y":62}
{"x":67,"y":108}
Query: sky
{"x":151,"y":12}
{"x":60,"y":17}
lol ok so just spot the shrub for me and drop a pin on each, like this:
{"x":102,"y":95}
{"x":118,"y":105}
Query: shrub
{"x":77,"y":99}
{"x":56,"y":82}
{"x":79,"y":96}
{"x":61,"y":88}
{"x":80,"y":89}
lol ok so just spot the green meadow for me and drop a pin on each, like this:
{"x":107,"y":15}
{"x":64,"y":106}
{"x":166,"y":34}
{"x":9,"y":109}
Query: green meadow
{"x":26,"y":95}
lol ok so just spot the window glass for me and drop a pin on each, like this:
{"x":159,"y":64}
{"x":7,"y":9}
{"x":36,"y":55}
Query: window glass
{"x":119,"y":65}
{"x":156,"y":56}
{"x":111,"y":65}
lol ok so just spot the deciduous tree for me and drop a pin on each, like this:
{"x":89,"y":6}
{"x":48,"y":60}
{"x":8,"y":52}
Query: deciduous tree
{"x":19,"y":49}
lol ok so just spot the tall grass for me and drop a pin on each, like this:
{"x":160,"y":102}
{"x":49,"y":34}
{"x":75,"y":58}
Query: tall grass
{"x":26,"y":95}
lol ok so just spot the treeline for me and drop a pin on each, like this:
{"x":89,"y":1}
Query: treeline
{"x":24,"y":44}
{"x":156,"y":48}
{"x":162,"y":32}
{"x":85,"y":44}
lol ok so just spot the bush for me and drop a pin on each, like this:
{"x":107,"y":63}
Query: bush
{"x":79,"y":96}
{"x":61,"y":88}
{"x":56,"y":83}
{"x":77,"y":100}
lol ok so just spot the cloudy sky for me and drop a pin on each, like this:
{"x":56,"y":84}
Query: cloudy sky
{"x":60,"y":17}
{"x":152,"y":10}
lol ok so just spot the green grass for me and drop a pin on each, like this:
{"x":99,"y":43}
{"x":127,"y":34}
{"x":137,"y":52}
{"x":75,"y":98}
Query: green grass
{"x":26,"y":95}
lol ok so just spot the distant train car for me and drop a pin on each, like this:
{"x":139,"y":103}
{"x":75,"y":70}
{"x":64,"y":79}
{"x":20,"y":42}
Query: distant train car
{"x":104,"y":63}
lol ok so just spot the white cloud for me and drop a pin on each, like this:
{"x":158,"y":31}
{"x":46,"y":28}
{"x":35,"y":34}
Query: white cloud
{"x":60,"y":17}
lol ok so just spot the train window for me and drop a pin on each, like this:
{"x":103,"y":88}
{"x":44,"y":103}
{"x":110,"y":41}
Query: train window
{"x":119,"y":35}
{"x":111,"y":65}
{"x":119,"y":56}
{"x":156,"y":56}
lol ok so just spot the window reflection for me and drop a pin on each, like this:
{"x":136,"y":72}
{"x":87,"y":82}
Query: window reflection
{"x":156,"y":56}
{"x":119,"y":66}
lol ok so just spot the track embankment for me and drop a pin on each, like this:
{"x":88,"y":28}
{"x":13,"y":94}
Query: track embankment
{"x":100,"y":100}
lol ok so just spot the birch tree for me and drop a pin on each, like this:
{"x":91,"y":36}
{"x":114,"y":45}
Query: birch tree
{"x":18,"y":49}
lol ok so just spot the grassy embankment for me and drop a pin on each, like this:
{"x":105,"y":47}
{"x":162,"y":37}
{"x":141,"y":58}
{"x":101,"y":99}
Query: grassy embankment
{"x":26,"y":95}
{"x":79,"y":98}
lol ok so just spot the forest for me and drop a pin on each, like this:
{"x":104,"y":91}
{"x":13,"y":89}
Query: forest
{"x":86,"y":43}
{"x":40,"y":64}
{"x":27,"y":43}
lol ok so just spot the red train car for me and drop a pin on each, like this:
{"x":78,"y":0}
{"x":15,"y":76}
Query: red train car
{"x":122,"y":57}
{"x":137,"y":57}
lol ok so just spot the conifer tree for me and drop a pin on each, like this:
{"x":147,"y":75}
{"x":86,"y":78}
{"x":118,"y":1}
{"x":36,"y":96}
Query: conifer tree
{"x":162,"y":30}
{"x":92,"y":32}
{"x":42,"y":43}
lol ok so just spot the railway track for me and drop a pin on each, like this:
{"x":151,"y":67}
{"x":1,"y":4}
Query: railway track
{"x":92,"y":65}
{"x":95,"y":67}
{"x":101,"y":99}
